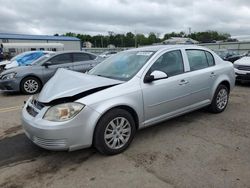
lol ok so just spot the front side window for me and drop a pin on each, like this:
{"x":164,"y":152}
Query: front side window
{"x":61,"y":59}
{"x":199,"y":59}
{"x":171,"y":63}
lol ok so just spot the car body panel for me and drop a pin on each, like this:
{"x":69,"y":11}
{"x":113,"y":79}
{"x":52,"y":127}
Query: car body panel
{"x":74,"y":84}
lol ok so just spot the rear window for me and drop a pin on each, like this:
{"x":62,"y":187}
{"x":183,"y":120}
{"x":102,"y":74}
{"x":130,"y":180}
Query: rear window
{"x":210,"y":59}
{"x":61,"y":59}
{"x":81,"y":57}
{"x":199,"y":59}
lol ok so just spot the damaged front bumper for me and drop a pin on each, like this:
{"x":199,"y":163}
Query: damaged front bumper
{"x":69,"y":135}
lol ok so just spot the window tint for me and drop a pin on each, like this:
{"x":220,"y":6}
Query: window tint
{"x":210,"y":59}
{"x":92,"y":57}
{"x":60,"y":59}
{"x":171,"y":63}
{"x":81,"y":57}
{"x":197,"y":59}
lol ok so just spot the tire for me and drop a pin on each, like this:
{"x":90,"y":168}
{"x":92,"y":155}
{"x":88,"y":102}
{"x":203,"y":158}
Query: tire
{"x":109,"y":125}
{"x":220,"y":99}
{"x":30,"y":85}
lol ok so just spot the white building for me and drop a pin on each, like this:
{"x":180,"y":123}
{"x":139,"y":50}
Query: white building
{"x":68,"y":43}
{"x":87,"y":44}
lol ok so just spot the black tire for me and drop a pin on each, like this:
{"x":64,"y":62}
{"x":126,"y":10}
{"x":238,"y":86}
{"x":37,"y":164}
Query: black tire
{"x":101,"y":128}
{"x":215,"y":107}
{"x":37,"y":82}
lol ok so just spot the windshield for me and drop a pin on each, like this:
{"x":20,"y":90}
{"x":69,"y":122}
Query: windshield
{"x":42,"y":59}
{"x":122,"y":66}
{"x":19,"y":56}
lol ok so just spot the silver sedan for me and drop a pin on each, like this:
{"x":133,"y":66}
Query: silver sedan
{"x":128,"y":91}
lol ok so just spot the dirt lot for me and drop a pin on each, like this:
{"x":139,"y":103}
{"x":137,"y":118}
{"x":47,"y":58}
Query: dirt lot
{"x":196,"y":150}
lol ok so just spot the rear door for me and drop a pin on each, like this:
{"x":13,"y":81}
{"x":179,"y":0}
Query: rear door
{"x":83,"y":61}
{"x":202,"y":75}
{"x":59,"y":61}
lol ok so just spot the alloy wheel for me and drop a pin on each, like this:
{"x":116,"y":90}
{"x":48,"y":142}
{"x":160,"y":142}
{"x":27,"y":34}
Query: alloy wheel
{"x":117,"y":133}
{"x":31,"y":86}
{"x":222,"y":99}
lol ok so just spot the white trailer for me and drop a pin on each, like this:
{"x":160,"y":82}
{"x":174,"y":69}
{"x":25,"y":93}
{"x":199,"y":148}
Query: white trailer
{"x":12,"y":49}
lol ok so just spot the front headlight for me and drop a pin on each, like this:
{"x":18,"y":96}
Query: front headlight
{"x":63,"y":112}
{"x":8,"y":76}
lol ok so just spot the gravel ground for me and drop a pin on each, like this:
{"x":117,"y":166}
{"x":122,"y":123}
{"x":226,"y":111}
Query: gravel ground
{"x":198,"y":149}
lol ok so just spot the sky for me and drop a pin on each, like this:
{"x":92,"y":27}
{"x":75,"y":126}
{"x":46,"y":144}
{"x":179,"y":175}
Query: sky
{"x":121,"y":16}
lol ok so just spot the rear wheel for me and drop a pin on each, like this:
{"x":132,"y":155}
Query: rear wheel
{"x":114,"y":132}
{"x":30,"y":85}
{"x":220,"y":99}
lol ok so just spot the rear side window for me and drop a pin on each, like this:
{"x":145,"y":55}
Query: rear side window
{"x":61,"y":59}
{"x":81,"y":57}
{"x":210,"y":59}
{"x":197,"y":59}
{"x":171,"y":63}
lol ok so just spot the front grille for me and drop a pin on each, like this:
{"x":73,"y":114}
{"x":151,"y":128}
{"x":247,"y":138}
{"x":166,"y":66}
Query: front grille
{"x":50,"y":143}
{"x":38,"y":104}
{"x":31,"y":111}
{"x":244,"y":67}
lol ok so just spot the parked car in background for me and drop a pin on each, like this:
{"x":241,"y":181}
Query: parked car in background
{"x":126,"y":92}
{"x":1,"y":57}
{"x":242,"y":69}
{"x":229,"y":55}
{"x":107,"y":54}
{"x":23,"y":59}
{"x":30,"y":79}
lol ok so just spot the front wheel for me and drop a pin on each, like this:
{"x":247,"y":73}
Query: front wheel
{"x":30,"y":85}
{"x":220,"y":99}
{"x":114,"y":132}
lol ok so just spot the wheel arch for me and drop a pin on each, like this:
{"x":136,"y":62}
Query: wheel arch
{"x":124,"y":107}
{"x":225,"y":80}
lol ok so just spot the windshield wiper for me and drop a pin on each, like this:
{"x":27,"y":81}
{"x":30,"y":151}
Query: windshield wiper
{"x":106,"y":76}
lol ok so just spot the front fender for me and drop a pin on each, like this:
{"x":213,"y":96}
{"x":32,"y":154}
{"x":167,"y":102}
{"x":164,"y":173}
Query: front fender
{"x":132,"y":100}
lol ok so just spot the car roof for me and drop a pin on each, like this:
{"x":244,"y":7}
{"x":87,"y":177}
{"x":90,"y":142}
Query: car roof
{"x":165,"y":47}
{"x":72,"y":51}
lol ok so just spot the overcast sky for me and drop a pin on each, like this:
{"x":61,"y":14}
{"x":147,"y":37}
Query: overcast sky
{"x":143,"y":16}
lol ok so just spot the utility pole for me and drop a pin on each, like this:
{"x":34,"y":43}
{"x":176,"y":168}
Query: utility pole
{"x":189,"y":30}
{"x":102,"y":41}
{"x":135,"y":39}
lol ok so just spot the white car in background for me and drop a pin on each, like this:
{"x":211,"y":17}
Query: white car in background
{"x":242,"y":69}
{"x":107,"y":54}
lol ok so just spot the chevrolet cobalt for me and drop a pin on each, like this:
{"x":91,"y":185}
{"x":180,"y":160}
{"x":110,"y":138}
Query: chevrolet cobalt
{"x":131,"y":90}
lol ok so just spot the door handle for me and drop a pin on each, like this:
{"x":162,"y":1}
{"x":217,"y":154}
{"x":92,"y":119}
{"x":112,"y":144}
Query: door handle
{"x":183,"y":82}
{"x":212,"y":74}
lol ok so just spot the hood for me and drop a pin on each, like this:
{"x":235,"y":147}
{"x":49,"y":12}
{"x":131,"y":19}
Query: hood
{"x":16,"y":69}
{"x":66,"y":84}
{"x":11,"y":65}
{"x":4,"y":62}
{"x":243,"y":61}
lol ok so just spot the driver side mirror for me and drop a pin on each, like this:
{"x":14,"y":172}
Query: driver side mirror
{"x":155,"y":75}
{"x":47,"y":64}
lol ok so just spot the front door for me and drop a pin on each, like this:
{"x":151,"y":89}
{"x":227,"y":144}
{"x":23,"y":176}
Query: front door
{"x":59,"y":61}
{"x":166,"y":97}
